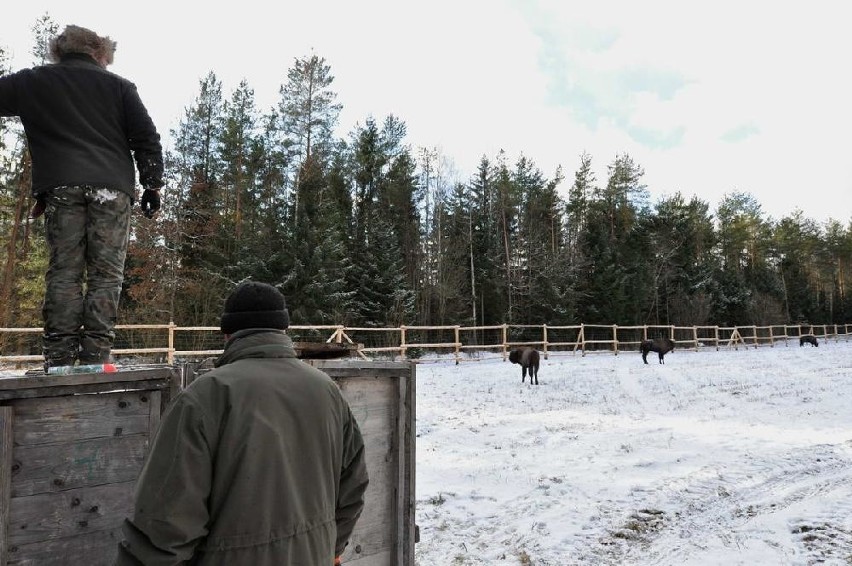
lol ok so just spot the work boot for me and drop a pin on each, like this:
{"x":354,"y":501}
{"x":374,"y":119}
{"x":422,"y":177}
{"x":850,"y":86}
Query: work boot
{"x":59,"y":349}
{"x":94,"y":349}
{"x":54,"y":358}
{"x":101,"y":357}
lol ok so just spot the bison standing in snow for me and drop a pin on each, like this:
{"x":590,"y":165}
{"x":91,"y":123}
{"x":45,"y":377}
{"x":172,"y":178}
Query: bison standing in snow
{"x":809,"y":339}
{"x":660,"y":345}
{"x":528,"y":358}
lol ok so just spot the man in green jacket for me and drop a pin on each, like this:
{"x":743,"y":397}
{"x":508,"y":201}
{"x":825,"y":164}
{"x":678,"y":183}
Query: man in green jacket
{"x":258,"y":462}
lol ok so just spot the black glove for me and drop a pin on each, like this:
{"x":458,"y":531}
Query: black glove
{"x":150,"y":202}
{"x":38,"y":208}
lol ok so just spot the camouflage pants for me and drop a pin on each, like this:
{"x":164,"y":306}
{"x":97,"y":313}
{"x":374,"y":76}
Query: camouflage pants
{"x":86,"y":229}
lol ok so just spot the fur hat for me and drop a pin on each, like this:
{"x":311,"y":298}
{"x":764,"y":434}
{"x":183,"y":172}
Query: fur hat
{"x":254,"y":305}
{"x":76,"y":39}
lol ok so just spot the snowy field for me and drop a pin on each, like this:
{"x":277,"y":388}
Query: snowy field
{"x":717,"y":457}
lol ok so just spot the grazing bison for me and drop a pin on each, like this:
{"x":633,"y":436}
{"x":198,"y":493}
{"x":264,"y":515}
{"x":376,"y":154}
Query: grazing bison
{"x":528,"y":358}
{"x":808,"y":339}
{"x":660,"y":345}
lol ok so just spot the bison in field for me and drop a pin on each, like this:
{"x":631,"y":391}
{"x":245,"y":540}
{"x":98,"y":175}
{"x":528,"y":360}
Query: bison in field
{"x":528,"y":358}
{"x":660,"y":345}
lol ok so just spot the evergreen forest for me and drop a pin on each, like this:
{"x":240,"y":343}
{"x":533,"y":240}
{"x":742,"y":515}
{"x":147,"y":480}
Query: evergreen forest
{"x":366,"y":230}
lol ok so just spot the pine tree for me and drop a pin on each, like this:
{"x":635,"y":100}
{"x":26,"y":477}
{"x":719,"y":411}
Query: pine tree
{"x":838,"y":248}
{"x":400,"y":197}
{"x":378,"y":274}
{"x":453,"y":282}
{"x":749,"y":291}
{"x":796,"y":250}
{"x":488,"y":302}
{"x":238,"y":168}
{"x":316,"y":283}
{"x":24,"y":256}
{"x":192,"y":226}
{"x":44,"y":30}
{"x":681,"y":238}
{"x":614,"y":279}
{"x":308,"y":111}
{"x":577,"y":208}
{"x":507,"y":205}
{"x":543,"y":284}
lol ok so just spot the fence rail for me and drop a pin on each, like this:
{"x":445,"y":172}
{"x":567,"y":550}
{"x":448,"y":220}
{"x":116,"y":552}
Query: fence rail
{"x":169,"y":342}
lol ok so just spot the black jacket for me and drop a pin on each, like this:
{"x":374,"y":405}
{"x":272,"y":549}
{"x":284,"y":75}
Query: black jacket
{"x":84,"y":126}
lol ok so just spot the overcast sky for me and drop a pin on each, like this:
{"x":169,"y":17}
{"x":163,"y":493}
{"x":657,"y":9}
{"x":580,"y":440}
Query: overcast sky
{"x":709,"y":98}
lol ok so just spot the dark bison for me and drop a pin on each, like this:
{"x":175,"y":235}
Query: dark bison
{"x":808,"y":339}
{"x":528,"y":358}
{"x":660,"y":345}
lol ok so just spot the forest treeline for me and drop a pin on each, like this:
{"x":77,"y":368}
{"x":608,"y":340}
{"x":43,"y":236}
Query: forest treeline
{"x":366,"y":230}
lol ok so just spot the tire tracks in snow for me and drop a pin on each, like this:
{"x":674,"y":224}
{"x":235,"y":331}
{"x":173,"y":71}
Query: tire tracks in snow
{"x":716,"y":503}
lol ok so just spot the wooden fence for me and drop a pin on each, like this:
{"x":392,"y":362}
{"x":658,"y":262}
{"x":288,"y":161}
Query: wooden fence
{"x":168,"y":343}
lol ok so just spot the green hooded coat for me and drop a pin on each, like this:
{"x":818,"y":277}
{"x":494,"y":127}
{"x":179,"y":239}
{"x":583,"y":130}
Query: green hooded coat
{"x":258,"y":462}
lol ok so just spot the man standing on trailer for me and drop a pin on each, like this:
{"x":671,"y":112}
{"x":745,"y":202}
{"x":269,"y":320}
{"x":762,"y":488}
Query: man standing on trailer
{"x":85,"y":126}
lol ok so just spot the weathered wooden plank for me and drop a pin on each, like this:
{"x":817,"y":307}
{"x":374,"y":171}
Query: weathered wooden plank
{"x":409,"y":492}
{"x":367,"y":372}
{"x":82,"y":417}
{"x":48,"y":468}
{"x":6,"y":450}
{"x":382,"y":398}
{"x":376,"y":528}
{"x":120,"y":378}
{"x":90,"y":388}
{"x":156,"y":411}
{"x":383,"y":558}
{"x":374,"y":402}
{"x":405,"y":496}
{"x":69,"y":514}
{"x":99,"y":548}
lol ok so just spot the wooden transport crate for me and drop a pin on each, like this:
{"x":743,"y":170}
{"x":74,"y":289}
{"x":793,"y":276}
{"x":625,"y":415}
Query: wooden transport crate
{"x":382,"y":398}
{"x":71,"y":448}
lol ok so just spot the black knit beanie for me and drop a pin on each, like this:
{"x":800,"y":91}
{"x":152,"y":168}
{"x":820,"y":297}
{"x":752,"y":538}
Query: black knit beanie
{"x":254,"y":305}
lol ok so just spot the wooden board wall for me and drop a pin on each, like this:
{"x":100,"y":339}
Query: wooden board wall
{"x":71,"y":461}
{"x":381,"y":396}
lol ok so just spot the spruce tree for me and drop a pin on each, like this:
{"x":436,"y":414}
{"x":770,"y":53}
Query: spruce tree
{"x":749,"y":290}
{"x":680,"y":236}
{"x":614,"y":278}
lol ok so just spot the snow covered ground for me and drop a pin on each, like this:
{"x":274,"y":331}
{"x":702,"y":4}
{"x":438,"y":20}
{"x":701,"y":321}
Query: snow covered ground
{"x":717,"y":457}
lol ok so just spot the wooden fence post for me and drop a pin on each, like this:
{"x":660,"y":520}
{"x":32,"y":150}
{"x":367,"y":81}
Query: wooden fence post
{"x":505,"y":334}
{"x":402,"y":347}
{"x":458,"y":342}
{"x":615,"y":338}
{"x":171,"y":354}
{"x":544,"y":335}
